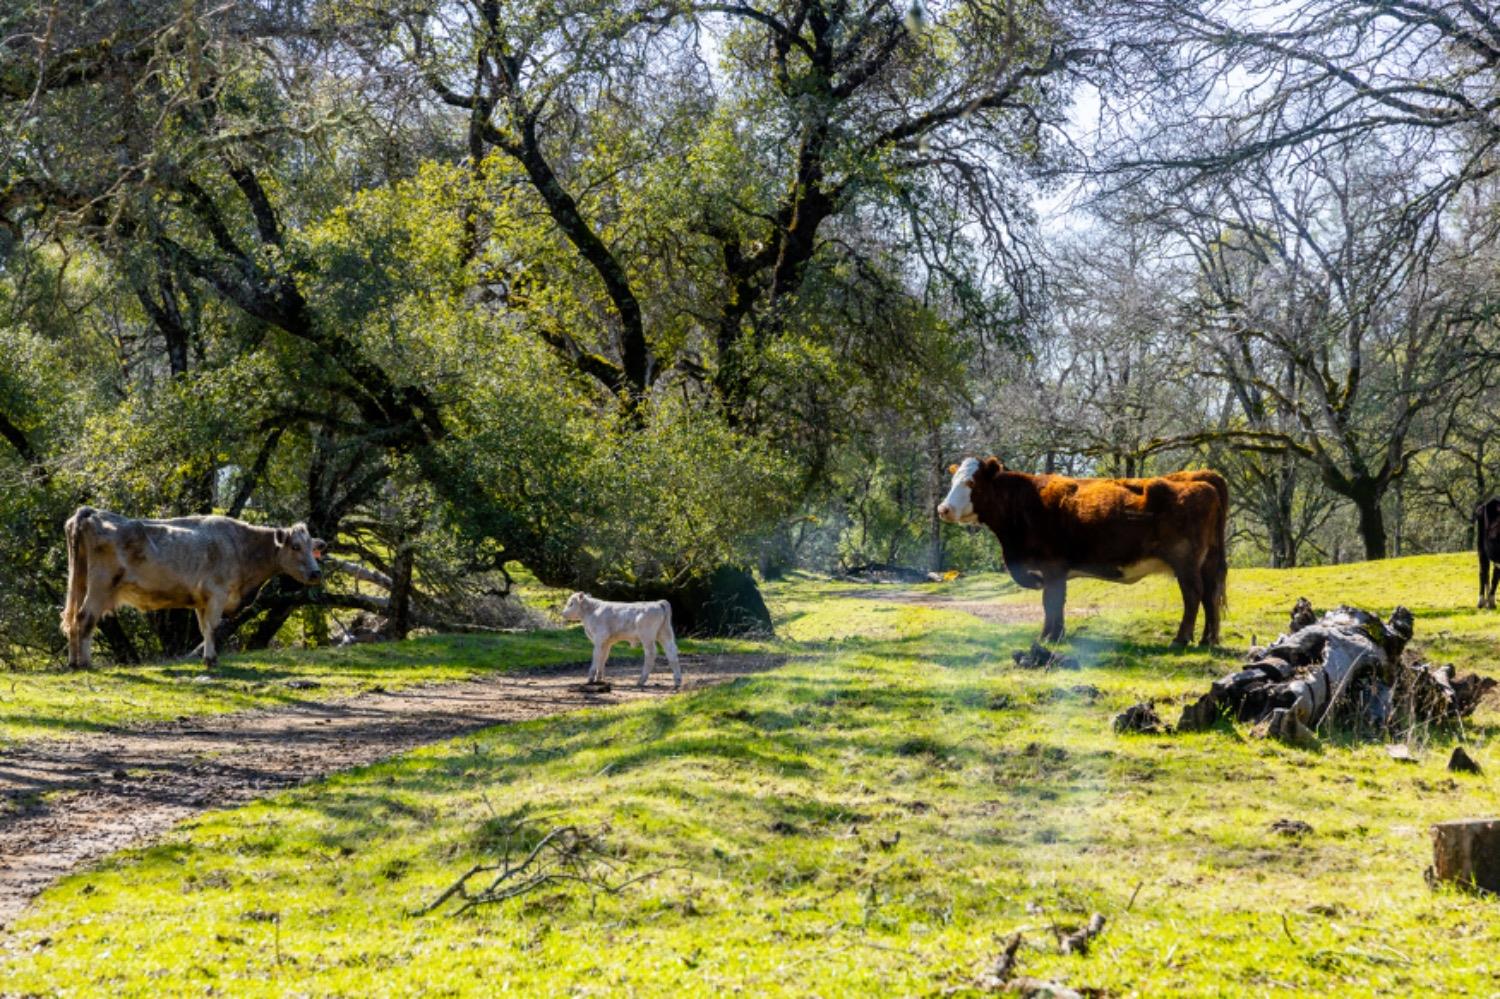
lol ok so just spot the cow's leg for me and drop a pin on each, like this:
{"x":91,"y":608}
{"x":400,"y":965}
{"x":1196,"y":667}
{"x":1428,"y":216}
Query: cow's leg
{"x":1054,"y":597}
{"x":669,"y":646}
{"x":1192,"y":595}
{"x":85,"y":622}
{"x":1484,"y":577}
{"x":78,"y":583}
{"x":208,"y":622}
{"x":648,"y":643}
{"x":96,"y":603}
{"x":1210,"y":586}
{"x":1494,"y":581}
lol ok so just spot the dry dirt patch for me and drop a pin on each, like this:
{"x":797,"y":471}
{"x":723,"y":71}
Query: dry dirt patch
{"x":66,"y":803}
{"x":1006,"y":613}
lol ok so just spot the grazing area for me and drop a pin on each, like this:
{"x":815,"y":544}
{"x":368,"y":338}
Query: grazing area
{"x":935,"y":370}
{"x":880,"y":814}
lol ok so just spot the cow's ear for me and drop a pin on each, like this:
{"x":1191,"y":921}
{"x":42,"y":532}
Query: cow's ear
{"x":953,"y":469}
{"x":991,"y":467}
{"x":281,"y":536}
{"x":319,"y":548}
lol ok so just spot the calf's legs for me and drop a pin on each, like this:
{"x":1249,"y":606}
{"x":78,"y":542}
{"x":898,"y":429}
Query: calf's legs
{"x":601,"y":656}
{"x":669,"y":646}
{"x":668,"y":643}
{"x":1489,"y":576}
{"x":648,"y":645}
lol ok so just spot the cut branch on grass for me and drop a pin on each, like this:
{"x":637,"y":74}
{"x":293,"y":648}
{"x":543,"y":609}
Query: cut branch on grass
{"x":564,"y":855}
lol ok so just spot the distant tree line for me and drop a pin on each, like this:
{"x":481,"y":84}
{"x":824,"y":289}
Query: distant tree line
{"x":619,"y":294}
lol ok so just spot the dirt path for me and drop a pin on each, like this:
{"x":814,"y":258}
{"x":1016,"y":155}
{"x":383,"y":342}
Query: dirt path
{"x":66,"y":803}
{"x":1031,"y":611}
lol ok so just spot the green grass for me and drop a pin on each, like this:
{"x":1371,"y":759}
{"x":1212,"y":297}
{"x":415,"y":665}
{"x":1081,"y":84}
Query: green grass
{"x":773,"y":804}
{"x":42,"y":704}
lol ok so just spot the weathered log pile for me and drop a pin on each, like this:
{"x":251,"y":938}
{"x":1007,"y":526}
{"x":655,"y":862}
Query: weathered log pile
{"x":1347,"y":671}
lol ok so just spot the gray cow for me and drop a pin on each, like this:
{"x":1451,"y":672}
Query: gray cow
{"x":207,"y":563}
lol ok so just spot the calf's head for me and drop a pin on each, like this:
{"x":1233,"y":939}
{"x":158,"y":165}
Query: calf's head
{"x":970,"y":474}
{"x":297,"y":554}
{"x":573,"y":609}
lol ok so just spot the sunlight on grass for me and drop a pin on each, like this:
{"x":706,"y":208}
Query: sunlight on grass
{"x":874,"y":817}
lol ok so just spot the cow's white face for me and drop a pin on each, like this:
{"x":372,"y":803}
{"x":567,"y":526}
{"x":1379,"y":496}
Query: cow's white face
{"x":573,"y":609}
{"x":297,"y":553}
{"x":958,"y":506}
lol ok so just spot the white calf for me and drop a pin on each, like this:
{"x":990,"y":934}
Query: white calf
{"x":607,"y":622}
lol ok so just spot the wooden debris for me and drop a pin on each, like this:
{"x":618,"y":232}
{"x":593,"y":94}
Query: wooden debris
{"x":1292,"y":828}
{"x":1077,"y":942}
{"x":1462,"y":763}
{"x":1467,"y":853}
{"x":1140,"y":718}
{"x":1345,"y":669}
{"x":1041,"y":657}
{"x":1006,"y":962}
{"x":1036,"y":988}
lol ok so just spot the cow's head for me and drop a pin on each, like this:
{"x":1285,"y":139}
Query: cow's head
{"x":958,"y":506}
{"x":573,"y":609}
{"x":297,"y":554}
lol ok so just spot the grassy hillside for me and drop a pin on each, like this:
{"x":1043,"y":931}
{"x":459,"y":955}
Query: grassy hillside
{"x":773,"y":808}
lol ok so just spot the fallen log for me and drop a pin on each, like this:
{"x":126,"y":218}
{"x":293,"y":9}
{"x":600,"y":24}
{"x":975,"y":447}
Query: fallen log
{"x":1466,"y":853}
{"x":358,"y":571}
{"x":1345,"y":669}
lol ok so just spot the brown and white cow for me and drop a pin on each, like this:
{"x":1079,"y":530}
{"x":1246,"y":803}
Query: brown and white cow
{"x":207,"y":563}
{"x":1053,"y":528}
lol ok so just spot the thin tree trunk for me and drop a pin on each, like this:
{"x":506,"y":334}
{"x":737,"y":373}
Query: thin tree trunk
{"x":1371,"y":524}
{"x":401,"y":578}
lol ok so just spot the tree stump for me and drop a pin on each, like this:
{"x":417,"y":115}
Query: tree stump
{"x":1466,"y":852}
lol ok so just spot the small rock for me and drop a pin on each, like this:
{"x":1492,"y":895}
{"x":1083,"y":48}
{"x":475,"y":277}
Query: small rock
{"x":1462,"y":763}
{"x":119,"y":774}
{"x":204,"y":678}
{"x":303,"y":684}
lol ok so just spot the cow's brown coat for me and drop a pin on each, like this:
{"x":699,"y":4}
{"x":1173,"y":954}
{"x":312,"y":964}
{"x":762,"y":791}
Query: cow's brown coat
{"x":1052,"y":527}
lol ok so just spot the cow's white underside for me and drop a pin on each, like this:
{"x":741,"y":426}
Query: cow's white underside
{"x":1132,"y":573}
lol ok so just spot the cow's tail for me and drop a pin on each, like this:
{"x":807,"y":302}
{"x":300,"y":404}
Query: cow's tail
{"x":1219,"y":554}
{"x":78,"y":563}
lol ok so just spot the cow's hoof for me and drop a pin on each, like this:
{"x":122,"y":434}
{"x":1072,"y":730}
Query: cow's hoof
{"x":640,"y":683}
